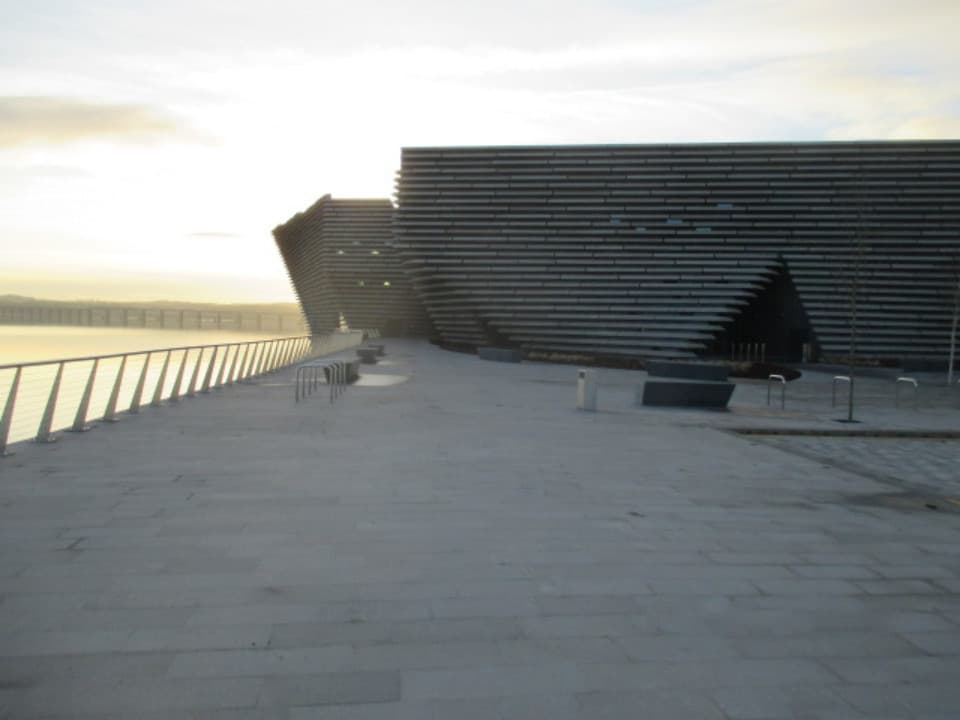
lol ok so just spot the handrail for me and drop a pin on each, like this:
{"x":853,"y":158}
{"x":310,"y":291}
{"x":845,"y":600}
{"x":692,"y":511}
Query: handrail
{"x":187,"y":364}
{"x":133,"y":353}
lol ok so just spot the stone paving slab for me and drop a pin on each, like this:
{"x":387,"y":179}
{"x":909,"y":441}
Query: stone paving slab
{"x":463,"y":543}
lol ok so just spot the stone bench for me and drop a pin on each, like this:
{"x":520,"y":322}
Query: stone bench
{"x":687,"y":371}
{"x":367,"y":355}
{"x":381,"y":349}
{"x":686,"y":393}
{"x":500,"y":354}
{"x":353,"y":371}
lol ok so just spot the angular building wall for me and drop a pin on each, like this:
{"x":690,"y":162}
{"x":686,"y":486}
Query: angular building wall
{"x":681,"y":250}
{"x":341,"y":260}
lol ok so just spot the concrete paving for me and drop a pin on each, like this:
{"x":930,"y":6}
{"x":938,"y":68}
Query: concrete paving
{"x":452,"y":539}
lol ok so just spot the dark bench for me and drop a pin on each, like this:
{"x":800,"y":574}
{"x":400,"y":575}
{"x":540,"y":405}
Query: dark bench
{"x":500,"y":354}
{"x":687,"y":371}
{"x":367,"y":355}
{"x":686,"y":385}
{"x":353,"y":371}
{"x":381,"y":349}
{"x":686,"y":393}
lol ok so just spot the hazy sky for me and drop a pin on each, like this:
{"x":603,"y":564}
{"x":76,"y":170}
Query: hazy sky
{"x":148,"y":148}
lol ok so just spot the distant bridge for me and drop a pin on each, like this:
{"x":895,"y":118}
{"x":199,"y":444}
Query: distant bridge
{"x":159,"y":318}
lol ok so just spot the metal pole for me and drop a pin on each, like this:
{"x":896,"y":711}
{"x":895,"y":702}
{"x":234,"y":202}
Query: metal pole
{"x":158,"y":392}
{"x":209,"y":374}
{"x":80,"y":420}
{"x":111,"y":413}
{"x":243,"y":363}
{"x":192,"y":387}
{"x":138,"y":392}
{"x":7,"y":418}
{"x":175,"y":393}
{"x":953,"y":333}
{"x":274,"y":351}
{"x":262,"y":359}
{"x":233,"y":366}
{"x":43,"y":432}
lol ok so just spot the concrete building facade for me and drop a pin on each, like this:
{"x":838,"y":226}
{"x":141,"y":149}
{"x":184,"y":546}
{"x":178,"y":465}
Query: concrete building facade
{"x":343,"y":265}
{"x":686,"y":250}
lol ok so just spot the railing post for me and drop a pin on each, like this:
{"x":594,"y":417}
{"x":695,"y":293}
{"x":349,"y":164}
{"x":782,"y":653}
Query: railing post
{"x":158,"y":392}
{"x":80,"y":420}
{"x":209,"y":374}
{"x":228,"y":380}
{"x":43,"y":432}
{"x":192,"y":387}
{"x":261,"y":359}
{"x":223,"y":366}
{"x":138,"y":392}
{"x":111,"y":414}
{"x":175,"y":392}
{"x":243,"y":362}
{"x":274,"y":352}
{"x":288,"y":349}
{"x":7,"y":418}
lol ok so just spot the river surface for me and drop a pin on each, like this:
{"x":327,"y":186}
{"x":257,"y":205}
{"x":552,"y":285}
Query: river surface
{"x":31,"y":343}
{"x":158,"y":375}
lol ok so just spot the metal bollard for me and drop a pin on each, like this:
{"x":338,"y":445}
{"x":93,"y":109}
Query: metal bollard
{"x":783,"y":389}
{"x":836,"y":379}
{"x":906,"y":381}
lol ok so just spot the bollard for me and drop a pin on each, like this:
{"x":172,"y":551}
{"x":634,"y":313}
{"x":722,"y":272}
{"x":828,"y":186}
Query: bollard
{"x":836,"y":379}
{"x":586,"y":390}
{"x":910,"y":382}
{"x":783,"y":389}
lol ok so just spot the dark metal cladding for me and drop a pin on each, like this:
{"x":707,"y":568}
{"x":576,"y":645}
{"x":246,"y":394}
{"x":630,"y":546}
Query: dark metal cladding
{"x":686,"y":250}
{"x":341,"y":259}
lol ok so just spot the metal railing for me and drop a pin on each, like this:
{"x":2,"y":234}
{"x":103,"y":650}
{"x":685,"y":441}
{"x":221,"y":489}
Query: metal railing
{"x":337,"y":375}
{"x":64,"y":394}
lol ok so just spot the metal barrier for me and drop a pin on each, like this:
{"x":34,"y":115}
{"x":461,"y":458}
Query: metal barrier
{"x":783,"y":389}
{"x":836,"y":379}
{"x":906,"y":381}
{"x":97,"y":373}
{"x":336,"y":375}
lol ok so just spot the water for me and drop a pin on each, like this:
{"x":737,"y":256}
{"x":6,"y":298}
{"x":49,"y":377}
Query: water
{"x":22,"y":344}
{"x":30,"y":343}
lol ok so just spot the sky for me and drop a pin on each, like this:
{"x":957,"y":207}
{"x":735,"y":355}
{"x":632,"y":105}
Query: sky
{"x":147,"y":149}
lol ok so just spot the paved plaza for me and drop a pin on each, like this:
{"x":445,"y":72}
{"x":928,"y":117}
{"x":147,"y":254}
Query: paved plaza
{"x":453,"y":539}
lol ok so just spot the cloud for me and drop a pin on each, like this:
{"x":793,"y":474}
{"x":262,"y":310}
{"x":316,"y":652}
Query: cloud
{"x":63,"y":120}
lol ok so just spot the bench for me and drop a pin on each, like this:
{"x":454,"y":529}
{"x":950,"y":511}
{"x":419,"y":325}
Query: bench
{"x":686,"y":385}
{"x":352,"y":371}
{"x":685,"y":393}
{"x":367,"y":355}
{"x":500,"y":354}
{"x":687,"y":371}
